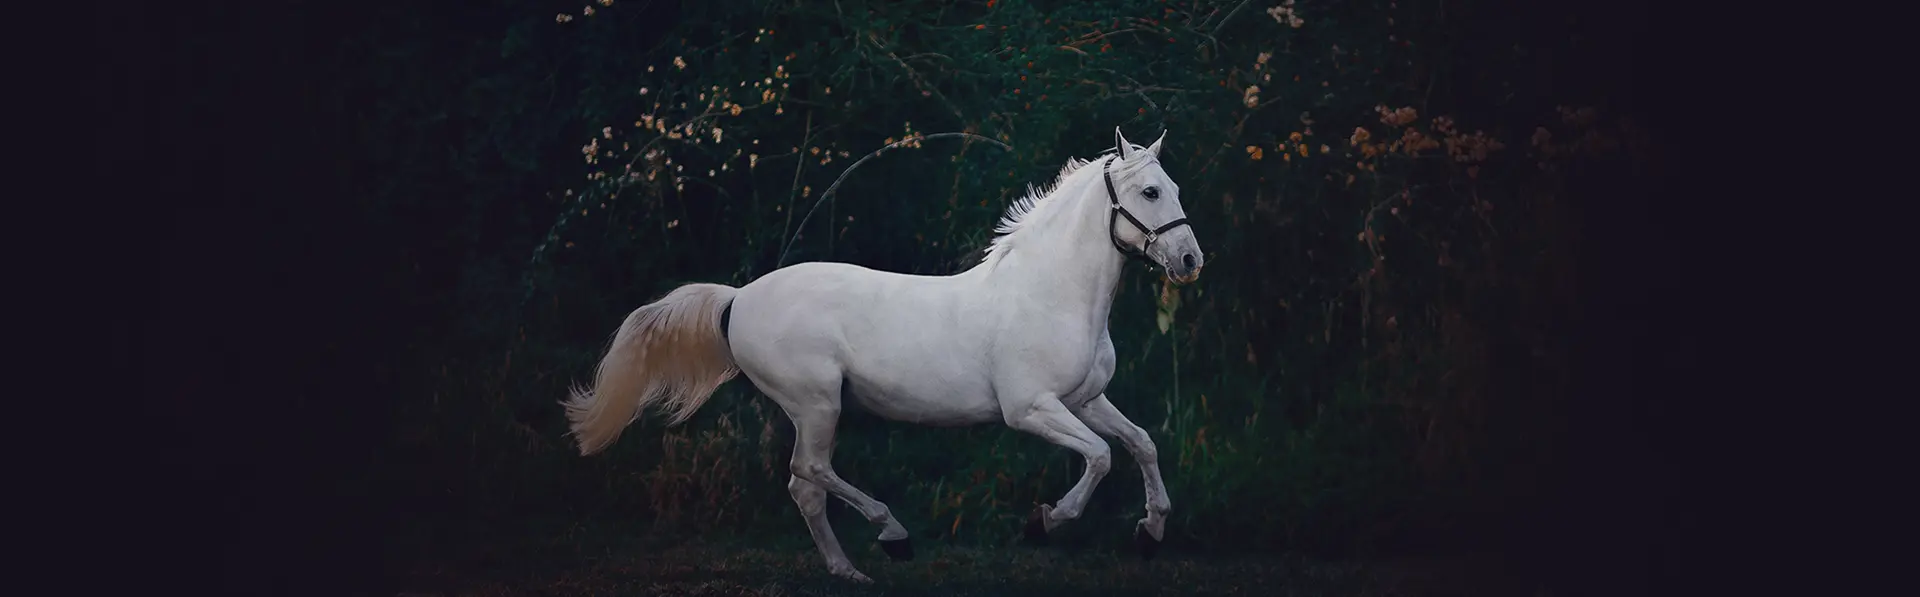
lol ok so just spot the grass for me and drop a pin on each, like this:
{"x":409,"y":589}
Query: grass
{"x":789,"y":566}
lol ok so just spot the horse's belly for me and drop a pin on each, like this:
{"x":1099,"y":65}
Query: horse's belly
{"x":929,"y":397}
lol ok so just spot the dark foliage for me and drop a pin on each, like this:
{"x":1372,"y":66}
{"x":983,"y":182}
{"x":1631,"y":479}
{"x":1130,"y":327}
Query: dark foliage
{"x":1384,"y":357}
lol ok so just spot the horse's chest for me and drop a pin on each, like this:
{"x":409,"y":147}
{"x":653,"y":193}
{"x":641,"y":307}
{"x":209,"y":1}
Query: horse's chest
{"x":1096,"y":380}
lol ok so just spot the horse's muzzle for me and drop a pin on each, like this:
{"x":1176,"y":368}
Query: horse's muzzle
{"x":1184,"y":277}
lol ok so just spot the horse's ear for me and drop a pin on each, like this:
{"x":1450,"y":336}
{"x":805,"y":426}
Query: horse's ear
{"x":1154,"y":149}
{"x":1121,"y":144}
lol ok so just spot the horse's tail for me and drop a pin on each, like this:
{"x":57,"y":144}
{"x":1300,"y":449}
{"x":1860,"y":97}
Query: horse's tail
{"x":671,"y":353}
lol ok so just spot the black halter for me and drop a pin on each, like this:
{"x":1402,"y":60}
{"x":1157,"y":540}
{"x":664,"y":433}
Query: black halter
{"x":1113,"y":199}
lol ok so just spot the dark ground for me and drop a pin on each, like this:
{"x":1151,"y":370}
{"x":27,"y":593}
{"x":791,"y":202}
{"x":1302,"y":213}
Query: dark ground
{"x":790,"y":567}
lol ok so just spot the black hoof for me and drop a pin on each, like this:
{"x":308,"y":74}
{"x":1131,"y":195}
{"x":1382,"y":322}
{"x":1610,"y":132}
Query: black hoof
{"x":1037,"y":526}
{"x":1147,"y":544}
{"x":901,"y":550}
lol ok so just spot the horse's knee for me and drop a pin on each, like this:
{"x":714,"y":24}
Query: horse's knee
{"x":807,"y":469}
{"x":811,"y":498}
{"x":1100,"y":461}
{"x":798,"y":487}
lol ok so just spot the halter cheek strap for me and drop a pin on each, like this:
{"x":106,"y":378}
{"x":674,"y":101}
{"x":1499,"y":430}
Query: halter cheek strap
{"x":1119,"y":211}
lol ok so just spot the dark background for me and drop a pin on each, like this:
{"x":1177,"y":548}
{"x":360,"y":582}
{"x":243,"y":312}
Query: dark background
{"x":284,"y":328}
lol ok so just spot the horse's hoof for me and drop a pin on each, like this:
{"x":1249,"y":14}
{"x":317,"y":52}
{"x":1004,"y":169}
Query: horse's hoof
{"x":1145,"y":541}
{"x":901,"y":550}
{"x":1037,"y":525}
{"x":853,"y":575}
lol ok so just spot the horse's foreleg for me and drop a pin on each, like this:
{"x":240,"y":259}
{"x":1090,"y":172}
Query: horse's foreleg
{"x":1100,"y":415}
{"x":813,"y":462}
{"x":1050,"y":420}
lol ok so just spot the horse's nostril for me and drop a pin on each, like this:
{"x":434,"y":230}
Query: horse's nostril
{"x":1188,"y":259}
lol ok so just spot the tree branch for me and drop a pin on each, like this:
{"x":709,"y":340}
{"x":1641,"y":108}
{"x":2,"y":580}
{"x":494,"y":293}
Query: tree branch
{"x":843,"y":177}
{"x":918,"y":82}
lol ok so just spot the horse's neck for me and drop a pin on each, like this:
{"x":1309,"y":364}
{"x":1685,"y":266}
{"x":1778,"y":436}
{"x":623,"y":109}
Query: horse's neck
{"x":1072,"y":261}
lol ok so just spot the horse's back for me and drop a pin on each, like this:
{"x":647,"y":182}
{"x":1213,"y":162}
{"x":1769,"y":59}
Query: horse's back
{"x":828,"y":289}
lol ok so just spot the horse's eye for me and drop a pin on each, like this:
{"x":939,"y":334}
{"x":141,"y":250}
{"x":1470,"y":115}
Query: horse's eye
{"x":1153,"y":192}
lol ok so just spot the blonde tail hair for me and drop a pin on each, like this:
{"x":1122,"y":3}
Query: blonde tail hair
{"x":671,"y":353}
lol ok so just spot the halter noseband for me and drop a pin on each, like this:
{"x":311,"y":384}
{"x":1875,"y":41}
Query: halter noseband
{"x":1113,"y":200}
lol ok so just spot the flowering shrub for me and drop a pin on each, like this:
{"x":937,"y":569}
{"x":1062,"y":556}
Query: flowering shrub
{"x":1336,"y":347}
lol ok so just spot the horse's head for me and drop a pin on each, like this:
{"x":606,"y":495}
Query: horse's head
{"x":1147,"y":217}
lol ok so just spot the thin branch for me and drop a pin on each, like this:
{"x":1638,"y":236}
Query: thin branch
{"x":1373,"y":247}
{"x":1143,"y":97}
{"x":716,"y":186}
{"x":918,"y":81}
{"x":1234,"y":133}
{"x":1211,"y":41}
{"x":928,"y":54}
{"x":1155,"y":89}
{"x":1103,"y":35}
{"x":806,"y":138}
{"x":708,"y":114}
{"x":1229,"y":18}
{"x":843,"y":177}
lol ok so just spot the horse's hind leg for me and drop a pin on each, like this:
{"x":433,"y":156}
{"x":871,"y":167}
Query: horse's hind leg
{"x":813,"y":461}
{"x":812,"y":500}
{"x":815,"y":411}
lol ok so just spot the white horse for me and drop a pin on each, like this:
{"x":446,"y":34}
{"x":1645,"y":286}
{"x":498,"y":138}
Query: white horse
{"x":1020,"y":338}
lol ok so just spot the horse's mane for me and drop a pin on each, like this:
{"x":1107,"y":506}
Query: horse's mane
{"x":1017,"y":212}
{"x":1024,"y":206}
